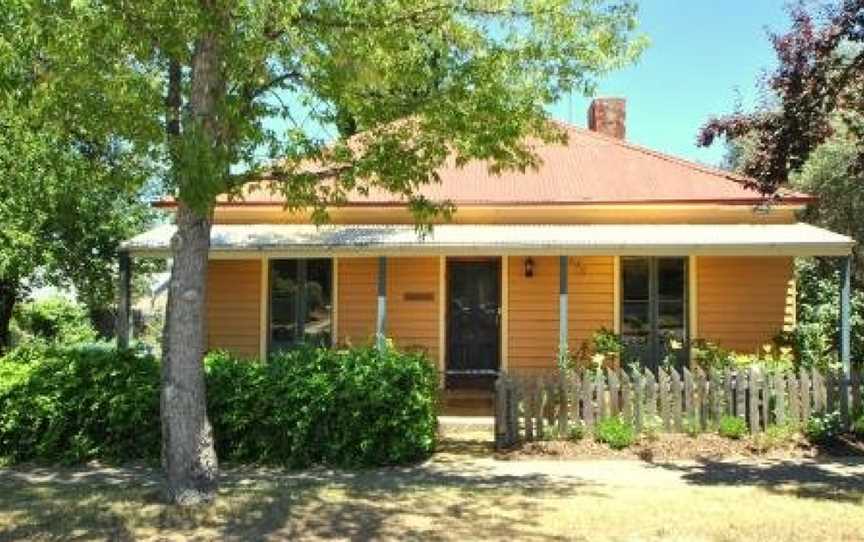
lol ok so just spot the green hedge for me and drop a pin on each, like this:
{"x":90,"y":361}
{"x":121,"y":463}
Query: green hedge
{"x":76,"y":404}
{"x":343,"y":408}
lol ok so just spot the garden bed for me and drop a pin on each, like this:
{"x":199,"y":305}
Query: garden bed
{"x":675,"y":446}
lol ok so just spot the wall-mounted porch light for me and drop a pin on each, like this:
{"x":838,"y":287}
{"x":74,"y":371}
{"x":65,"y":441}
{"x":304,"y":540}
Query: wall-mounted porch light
{"x":529,"y":267}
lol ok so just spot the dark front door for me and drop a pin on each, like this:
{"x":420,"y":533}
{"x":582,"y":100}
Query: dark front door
{"x":473,"y":322}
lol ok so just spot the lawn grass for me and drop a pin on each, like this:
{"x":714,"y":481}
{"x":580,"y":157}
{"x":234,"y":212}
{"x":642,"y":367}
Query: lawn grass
{"x":372,"y":505}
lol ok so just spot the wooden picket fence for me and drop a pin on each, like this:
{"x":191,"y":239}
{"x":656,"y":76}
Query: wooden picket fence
{"x":532,"y":407}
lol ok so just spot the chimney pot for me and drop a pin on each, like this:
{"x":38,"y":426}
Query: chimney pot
{"x":608,"y":116}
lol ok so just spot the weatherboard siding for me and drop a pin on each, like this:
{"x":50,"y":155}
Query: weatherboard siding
{"x":744,"y":302}
{"x":234,"y":306}
{"x":534,"y":311}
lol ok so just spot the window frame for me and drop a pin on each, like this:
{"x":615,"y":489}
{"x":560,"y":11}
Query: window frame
{"x":301,"y":299}
{"x":653,"y":334}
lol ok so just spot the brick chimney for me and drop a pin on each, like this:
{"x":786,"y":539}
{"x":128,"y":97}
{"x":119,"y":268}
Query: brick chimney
{"x":608,"y":116}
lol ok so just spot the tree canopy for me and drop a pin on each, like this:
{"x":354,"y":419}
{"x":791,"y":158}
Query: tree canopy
{"x":819,"y":79}
{"x":327,"y":96}
{"x":67,"y":196}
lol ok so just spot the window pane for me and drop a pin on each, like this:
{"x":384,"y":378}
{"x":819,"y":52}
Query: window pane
{"x":634,"y":278}
{"x":283,"y":303}
{"x":671,"y":315}
{"x":670,"y":278}
{"x":317,"y":324}
{"x":635,"y":318}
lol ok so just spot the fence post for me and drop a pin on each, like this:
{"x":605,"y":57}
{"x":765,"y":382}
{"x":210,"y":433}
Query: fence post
{"x":650,"y":395}
{"x":612,"y":378}
{"x":663,"y":392}
{"x":675,"y":391}
{"x":794,"y":397}
{"x":805,"y":395}
{"x":563,"y":404}
{"x":602,"y":404}
{"x":779,"y":398}
{"x":587,"y":399}
{"x":626,"y":396}
{"x":575,"y":391}
{"x":637,"y":399}
{"x":753,"y":396}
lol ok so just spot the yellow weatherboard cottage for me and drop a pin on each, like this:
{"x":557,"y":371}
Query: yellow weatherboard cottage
{"x":603,"y":234}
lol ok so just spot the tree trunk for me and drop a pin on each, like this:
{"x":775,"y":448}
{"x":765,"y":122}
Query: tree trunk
{"x":8,"y":298}
{"x":188,"y":454}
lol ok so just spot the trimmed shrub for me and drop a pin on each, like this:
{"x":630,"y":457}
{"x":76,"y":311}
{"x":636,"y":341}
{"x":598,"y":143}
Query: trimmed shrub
{"x":732,"y":427}
{"x":75,"y":404}
{"x":343,"y":408}
{"x":315,"y":405}
{"x":616,"y":432}
{"x":55,"y":319}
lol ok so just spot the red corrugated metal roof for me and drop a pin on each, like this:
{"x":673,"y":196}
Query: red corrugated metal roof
{"x":590,"y":169}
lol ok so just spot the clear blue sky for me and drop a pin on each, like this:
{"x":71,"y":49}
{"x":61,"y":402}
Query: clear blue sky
{"x":704,"y":54}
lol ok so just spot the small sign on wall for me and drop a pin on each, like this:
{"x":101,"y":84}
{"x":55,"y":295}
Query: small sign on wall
{"x":419,"y":296}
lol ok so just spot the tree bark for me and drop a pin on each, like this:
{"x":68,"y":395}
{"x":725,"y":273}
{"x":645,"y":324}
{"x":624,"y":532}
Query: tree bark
{"x":8,"y":298}
{"x":188,"y":455}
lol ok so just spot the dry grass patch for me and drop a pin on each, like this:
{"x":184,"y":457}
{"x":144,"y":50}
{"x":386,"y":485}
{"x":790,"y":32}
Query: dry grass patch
{"x":445,"y":501}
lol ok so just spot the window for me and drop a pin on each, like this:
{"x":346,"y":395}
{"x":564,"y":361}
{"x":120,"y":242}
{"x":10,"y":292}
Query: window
{"x":654,"y":308}
{"x":301,"y":305}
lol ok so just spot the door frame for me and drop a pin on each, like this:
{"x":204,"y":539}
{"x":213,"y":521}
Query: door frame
{"x":501,"y":266}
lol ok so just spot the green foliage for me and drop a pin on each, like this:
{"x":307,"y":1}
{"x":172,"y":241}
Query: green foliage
{"x":732,"y":427}
{"x":616,"y":432}
{"x":55,"y":319}
{"x":692,"y":426}
{"x":652,"y":427}
{"x":576,"y":432}
{"x":823,"y":428}
{"x":858,"y":426}
{"x":708,"y":356}
{"x":774,"y":436}
{"x":815,"y":338}
{"x":80,"y":403}
{"x":348,"y":408}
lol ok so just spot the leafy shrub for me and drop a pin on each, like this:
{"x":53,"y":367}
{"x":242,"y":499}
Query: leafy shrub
{"x":75,"y":404}
{"x":815,"y":337}
{"x":351,"y":407}
{"x":616,"y":432}
{"x":652,"y":427}
{"x":732,"y":427}
{"x":708,"y":355}
{"x":55,"y":319}
{"x":773,"y":437}
{"x":315,"y":405}
{"x":692,"y":426}
{"x":577,"y":432}
{"x":823,"y":428}
{"x":858,"y":426}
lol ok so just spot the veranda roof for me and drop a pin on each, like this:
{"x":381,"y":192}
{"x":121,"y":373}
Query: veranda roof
{"x":254,"y":240}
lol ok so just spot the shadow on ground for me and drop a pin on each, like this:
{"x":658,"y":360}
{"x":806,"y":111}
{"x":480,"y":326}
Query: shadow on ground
{"x":441,"y":499}
{"x":813,"y":479}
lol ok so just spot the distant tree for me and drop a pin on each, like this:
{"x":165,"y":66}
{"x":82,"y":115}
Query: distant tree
{"x":819,"y":78}
{"x":64,"y":208}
